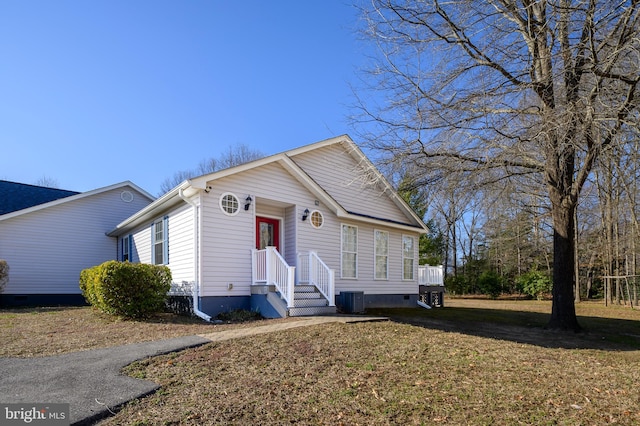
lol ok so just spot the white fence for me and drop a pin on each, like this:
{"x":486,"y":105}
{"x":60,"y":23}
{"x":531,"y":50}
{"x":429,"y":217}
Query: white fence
{"x":430,"y":275}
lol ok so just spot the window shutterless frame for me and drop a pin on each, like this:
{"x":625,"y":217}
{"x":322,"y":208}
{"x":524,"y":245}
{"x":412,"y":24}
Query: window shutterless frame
{"x":160,"y":241}
{"x":381,"y":250}
{"x":408,"y":257}
{"x":349,"y":251}
{"x":126,"y":244}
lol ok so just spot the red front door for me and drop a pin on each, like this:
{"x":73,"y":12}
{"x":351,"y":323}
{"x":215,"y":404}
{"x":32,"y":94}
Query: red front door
{"x":267,"y":233}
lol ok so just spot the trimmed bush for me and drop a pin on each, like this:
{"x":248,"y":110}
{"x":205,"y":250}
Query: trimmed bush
{"x":131,"y":290}
{"x":4,"y":274}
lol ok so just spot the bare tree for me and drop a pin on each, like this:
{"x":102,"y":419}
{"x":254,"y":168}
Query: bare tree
{"x":47,"y":182}
{"x":233,"y":156}
{"x":503,"y":89}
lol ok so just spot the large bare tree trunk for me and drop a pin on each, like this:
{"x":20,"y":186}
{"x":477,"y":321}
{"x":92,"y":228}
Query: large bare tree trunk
{"x":563,"y":312}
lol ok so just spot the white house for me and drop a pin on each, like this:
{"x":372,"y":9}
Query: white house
{"x":48,"y":236}
{"x":289,"y":234}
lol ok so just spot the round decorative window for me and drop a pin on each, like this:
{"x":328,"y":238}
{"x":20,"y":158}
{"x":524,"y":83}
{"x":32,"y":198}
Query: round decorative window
{"x":126,"y":196}
{"x":316,"y":219}
{"x":229,"y":204}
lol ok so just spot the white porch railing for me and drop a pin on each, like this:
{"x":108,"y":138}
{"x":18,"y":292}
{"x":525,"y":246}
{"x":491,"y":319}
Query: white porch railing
{"x":270,"y":268}
{"x":314,"y":271}
{"x":430,"y":275}
{"x":183,"y":288}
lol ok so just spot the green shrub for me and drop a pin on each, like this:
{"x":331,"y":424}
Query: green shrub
{"x":4,"y":274}
{"x":456,"y":284}
{"x":534,"y":283}
{"x":131,"y":290}
{"x":490,"y":283}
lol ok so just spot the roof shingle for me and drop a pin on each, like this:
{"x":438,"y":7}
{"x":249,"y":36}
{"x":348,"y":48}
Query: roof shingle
{"x":18,"y":196}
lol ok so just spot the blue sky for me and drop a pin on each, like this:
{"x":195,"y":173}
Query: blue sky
{"x":98,"y":92}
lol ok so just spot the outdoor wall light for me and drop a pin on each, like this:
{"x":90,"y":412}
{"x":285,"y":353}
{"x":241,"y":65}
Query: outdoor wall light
{"x":305,"y":214}
{"x":207,"y":189}
{"x":247,"y":202}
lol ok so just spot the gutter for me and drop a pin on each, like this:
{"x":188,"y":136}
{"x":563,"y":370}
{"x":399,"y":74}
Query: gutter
{"x":196,"y":257}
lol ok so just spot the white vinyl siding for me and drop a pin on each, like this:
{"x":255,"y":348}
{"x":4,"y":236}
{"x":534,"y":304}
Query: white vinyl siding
{"x":181,"y":244}
{"x":381,"y":262}
{"x":227,"y":240}
{"x":408,"y":257}
{"x":48,"y":248}
{"x":349,"y":252}
{"x":339,"y":173}
{"x":179,"y":238}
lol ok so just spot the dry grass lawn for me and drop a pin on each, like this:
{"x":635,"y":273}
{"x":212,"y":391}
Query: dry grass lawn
{"x":474,"y":362}
{"x":54,"y":331}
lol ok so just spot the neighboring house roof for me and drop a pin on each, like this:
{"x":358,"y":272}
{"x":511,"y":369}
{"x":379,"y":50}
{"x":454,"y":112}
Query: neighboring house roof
{"x":16,"y":196}
{"x":285,"y":159}
{"x":72,"y":196}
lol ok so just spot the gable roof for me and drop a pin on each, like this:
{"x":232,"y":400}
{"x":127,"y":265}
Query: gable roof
{"x":16,"y":196}
{"x":189,"y":187}
{"x":73,"y":196}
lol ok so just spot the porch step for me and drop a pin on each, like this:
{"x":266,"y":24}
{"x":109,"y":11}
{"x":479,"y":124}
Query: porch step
{"x":309,"y":311}
{"x":307,"y":296}
{"x":307,"y":301}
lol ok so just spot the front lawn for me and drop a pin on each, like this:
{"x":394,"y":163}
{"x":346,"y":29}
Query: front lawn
{"x":480,"y":363}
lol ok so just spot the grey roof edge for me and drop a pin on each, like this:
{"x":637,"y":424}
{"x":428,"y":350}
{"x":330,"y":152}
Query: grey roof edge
{"x":77,"y":196}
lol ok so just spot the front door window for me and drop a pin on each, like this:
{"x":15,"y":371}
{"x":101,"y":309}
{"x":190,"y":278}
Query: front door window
{"x":267,"y":233}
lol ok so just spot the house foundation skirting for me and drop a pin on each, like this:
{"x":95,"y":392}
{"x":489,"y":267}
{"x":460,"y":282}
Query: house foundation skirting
{"x":390,"y":300}
{"x":17,"y":300}
{"x":215,"y":305}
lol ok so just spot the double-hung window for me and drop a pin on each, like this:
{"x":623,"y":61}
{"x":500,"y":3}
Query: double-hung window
{"x":159,"y":243}
{"x":381,"y":248}
{"x":349,"y":249}
{"x":408,"y":257}
{"x":126,"y":243}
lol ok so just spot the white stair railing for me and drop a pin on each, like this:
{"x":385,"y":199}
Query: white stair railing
{"x":269,"y":267}
{"x":314,"y":271}
{"x":430,"y":275}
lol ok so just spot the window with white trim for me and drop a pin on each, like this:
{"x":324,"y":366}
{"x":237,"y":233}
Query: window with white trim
{"x":381,"y":249}
{"x":316,"y":219}
{"x":349,"y":252}
{"x":126,"y":248}
{"x":229,"y":204}
{"x":160,"y":246}
{"x":408,"y":257}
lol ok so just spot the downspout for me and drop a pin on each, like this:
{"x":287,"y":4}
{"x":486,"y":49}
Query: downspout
{"x":196,"y":258}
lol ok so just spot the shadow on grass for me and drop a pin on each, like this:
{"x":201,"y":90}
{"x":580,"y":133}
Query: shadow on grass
{"x":522,"y":327}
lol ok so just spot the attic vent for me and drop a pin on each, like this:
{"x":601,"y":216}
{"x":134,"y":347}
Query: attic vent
{"x":126,"y":196}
